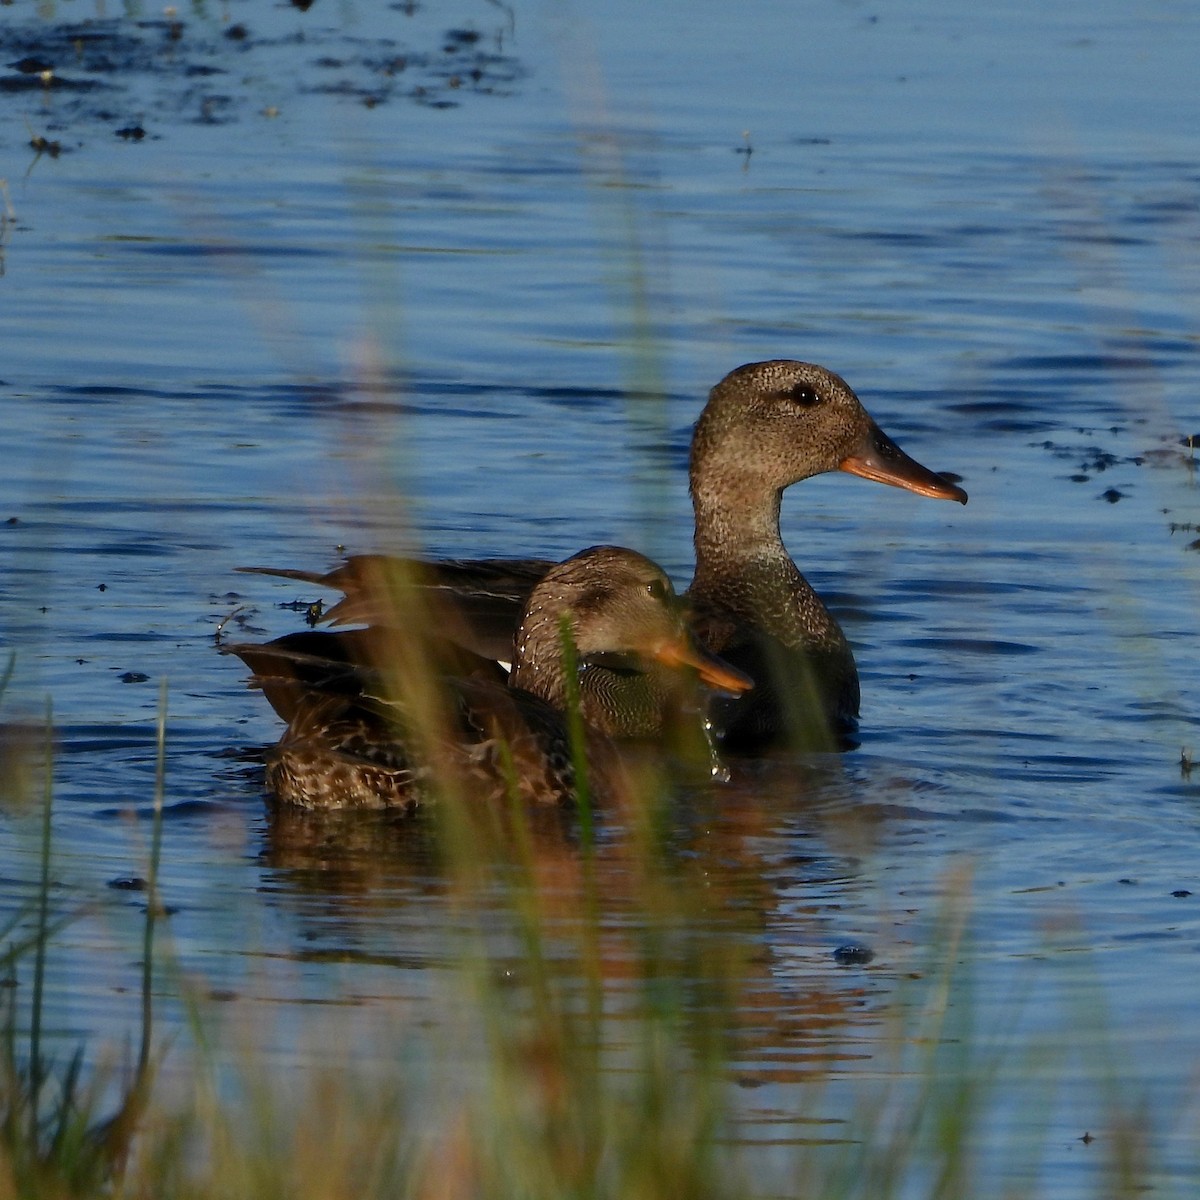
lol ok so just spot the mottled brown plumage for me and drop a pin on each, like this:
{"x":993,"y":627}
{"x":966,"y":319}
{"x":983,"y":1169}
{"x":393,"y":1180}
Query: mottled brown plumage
{"x":362,"y":734}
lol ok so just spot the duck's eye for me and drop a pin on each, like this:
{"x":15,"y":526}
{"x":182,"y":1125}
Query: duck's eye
{"x":804,"y":395}
{"x":657,"y":590}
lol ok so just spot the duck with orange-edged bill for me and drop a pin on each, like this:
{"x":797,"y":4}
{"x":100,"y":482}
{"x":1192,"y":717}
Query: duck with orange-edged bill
{"x":362,"y":734}
{"x":766,"y":426}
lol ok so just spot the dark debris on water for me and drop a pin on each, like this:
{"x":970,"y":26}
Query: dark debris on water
{"x":128,"y":883}
{"x":111,"y":70}
{"x":45,"y":146}
{"x":853,"y":954}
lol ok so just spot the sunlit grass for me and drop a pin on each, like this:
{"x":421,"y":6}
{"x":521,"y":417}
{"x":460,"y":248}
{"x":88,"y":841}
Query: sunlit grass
{"x":591,"y":1052}
{"x":55,"y":1136}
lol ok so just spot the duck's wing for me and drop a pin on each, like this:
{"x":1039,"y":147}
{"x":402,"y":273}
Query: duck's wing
{"x":351,"y":663}
{"x":517,"y":740}
{"x":363,"y":751}
{"x":359,"y":736}
{"x":479,"y":601}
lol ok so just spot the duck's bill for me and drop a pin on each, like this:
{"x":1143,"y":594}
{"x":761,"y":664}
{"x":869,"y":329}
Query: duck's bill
{"x":878,"y":457}
{"x":712,"y":671}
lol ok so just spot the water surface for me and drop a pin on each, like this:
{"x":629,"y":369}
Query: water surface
{"x":321,"y":281}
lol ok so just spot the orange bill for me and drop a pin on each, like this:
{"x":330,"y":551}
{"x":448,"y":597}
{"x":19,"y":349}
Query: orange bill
{"x":713,"y":672}
{"x":878,"y":457}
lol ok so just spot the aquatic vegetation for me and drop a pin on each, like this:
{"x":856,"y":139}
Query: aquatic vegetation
{"x":591,"y":1048}
{"x":66,"y":1127}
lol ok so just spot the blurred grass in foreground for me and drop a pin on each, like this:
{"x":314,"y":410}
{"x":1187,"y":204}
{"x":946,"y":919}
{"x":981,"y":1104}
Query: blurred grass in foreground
{"x":599,"y":992}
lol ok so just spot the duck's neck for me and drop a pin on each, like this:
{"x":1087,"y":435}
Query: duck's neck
{"x":742,"y":565}
{"x":737,"y":521}
{"x":538,"y":662}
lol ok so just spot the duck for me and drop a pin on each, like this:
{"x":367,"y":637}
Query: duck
{"x":380,"y":720}
{"x":766,"y":426}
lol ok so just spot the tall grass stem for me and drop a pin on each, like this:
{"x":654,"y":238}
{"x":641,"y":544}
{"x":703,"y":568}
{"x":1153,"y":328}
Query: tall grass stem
{"x":43,"y":920}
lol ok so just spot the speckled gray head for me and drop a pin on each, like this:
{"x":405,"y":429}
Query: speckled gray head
{"x":774,"y":423}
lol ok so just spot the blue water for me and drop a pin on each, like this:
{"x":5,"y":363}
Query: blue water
{"x":244,"y":337}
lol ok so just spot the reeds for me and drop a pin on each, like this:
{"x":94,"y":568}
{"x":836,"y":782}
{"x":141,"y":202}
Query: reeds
{"x":53,"y":1139}
{"x":599,"y":987}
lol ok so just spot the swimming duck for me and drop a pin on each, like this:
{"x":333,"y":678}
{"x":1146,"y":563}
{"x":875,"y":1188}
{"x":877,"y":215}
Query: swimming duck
{"x":766,"y":426}
{"x":364,"y":734}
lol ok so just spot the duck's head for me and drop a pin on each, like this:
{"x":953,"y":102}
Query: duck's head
{"x":771,"y":424}
{"x":621,"y":611}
